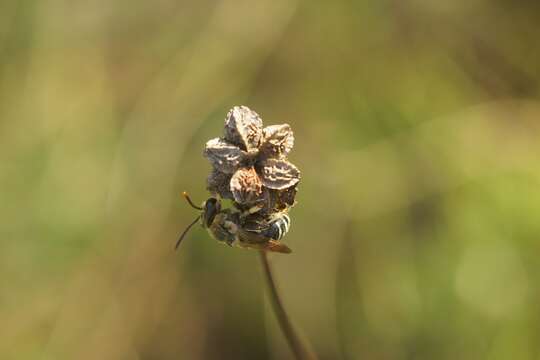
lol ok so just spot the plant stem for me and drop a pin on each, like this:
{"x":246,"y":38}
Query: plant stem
{"x":302,"y":350}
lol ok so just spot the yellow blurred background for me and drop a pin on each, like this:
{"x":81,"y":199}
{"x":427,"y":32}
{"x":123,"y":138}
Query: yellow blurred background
{"x":417,"y":127}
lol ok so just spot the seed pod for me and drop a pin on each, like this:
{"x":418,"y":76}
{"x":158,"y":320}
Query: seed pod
{"x":218,"y":183}
{"x":279,"y":174}
{"x":243,"y":127}
{"x":224,"y":156}
{"x":278,"y":141}
{"x":286,"y":197}
{"x":246,"y":186}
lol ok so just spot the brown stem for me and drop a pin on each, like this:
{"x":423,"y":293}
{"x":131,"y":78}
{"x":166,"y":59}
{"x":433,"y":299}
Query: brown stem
{"x":302,"y":350}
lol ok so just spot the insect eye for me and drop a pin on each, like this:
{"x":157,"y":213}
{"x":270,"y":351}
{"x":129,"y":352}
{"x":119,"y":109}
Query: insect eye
{"x":211,"y":208}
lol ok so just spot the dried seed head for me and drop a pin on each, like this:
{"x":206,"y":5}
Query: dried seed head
{"x":279,"y":174}
{"x":278,"y":141}
{"x":246,"y":186}
{"x":250,"y":164}
{"x":224,"y":156}
{"x":243,"y":127}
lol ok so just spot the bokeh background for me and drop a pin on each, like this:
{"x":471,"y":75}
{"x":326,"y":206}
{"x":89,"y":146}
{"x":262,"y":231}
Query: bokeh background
{"x":417,"y":128}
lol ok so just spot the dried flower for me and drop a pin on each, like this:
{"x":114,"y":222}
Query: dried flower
{"x":250,"y":163}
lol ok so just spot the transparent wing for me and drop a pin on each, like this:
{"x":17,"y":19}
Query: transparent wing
{"x":251,"y":237}
{"x":255,"y":240}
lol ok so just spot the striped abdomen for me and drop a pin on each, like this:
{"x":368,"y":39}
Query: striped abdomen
{"x":278,"y":227}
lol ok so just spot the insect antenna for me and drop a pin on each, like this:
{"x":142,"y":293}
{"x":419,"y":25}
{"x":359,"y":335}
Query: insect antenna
{"x":185,"y":232}
{"x":188,"y":199}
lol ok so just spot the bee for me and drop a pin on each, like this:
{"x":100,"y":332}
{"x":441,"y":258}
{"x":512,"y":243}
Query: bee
{"x":235,"y":229}
{"x":275,"y":227}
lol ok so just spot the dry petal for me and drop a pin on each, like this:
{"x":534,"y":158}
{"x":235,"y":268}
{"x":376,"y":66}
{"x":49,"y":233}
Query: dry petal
{"x":243,"y":127}
{"x":219,"y":183}
{"x":278,"y":140}
{"x":246,"y":186}
{"x":286,"y":198}
{"x":224,"y":156}
{"x":279,"y":174}
{"x":278,"y":200}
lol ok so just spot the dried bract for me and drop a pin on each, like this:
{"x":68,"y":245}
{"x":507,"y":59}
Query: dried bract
{"x":218,"y":183}
{"x":279,"y":174}
{"x":246,"y":186}
{"x":278,"y":141}
{"x":224,"y":156}
{"x":243,"y":127}
{"x":285,"y":198}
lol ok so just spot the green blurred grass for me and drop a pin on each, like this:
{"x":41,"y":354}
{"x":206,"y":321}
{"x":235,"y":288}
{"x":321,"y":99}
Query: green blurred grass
{"x":417,"y":132}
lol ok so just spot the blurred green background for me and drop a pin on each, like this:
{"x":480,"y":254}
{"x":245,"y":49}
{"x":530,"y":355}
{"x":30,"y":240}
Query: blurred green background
{"x":417,"y":128}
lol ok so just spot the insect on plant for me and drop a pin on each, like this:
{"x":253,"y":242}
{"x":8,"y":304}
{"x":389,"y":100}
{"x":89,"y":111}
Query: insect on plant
{"x":226,"y":226}
{"x":249,"y":167}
